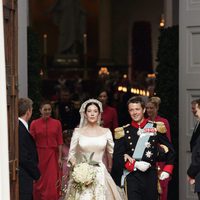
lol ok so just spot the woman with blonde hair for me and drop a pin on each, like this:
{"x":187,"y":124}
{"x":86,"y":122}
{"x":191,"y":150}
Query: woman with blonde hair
{"x":152,"y":108}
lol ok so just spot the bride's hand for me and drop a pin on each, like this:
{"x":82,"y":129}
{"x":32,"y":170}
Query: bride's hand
{"x":127,"y":157}
{"x":60,"y":162}
{"x":109,"y":168}
{"x":73,"y":162}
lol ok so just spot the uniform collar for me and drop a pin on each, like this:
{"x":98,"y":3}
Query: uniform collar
{"x":141,"y":125}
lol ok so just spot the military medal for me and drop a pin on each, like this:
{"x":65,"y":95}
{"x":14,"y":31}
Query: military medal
{"x":149,"y":154}
{"x":139,"y":132}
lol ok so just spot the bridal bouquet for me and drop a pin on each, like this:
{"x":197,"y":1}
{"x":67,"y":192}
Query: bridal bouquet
{"x":83,"y":176}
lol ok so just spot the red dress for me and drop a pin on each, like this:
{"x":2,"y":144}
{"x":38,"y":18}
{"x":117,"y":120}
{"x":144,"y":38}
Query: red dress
{"x":163,"y":183}
{"x":109,"y":117}
{"x":110,"y":120}
{"x":48,"y":136}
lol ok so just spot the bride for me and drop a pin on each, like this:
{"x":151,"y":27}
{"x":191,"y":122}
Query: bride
{"x":88,"y":138}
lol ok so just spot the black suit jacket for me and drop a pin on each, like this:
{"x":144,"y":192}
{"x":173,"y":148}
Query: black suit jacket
{"x":28,"y":162}
{"x":194,"y":169}
{"x":195,"y":136}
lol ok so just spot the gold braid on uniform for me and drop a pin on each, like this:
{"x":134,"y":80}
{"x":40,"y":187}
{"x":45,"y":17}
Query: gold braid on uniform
{"x":119,"y":132}
{"x":165,"y":148}
{"x":158,"y":181}
{"x":161,"y":128}
{"x":159,"y":187}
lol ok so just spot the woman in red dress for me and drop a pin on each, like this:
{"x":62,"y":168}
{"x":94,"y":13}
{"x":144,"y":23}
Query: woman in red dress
{"x":152,"y":108}
{"x":47,"y":133}
{"x":109,"y":115}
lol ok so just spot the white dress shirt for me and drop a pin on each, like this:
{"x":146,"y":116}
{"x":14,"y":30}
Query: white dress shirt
{"x":24,"y":122}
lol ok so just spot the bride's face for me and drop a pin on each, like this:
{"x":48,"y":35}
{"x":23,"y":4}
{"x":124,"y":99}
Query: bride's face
{"x":92,"y":114}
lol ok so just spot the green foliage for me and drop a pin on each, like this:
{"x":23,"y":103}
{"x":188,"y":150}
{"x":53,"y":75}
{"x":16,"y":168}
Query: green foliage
{"x":34,"y":65}
{"x":90,"y":160}
{"x":167,"y":90}
{"x":167,"y":76}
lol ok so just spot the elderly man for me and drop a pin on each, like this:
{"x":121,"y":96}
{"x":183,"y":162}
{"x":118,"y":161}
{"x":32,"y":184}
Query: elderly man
{"x":28,"y":158}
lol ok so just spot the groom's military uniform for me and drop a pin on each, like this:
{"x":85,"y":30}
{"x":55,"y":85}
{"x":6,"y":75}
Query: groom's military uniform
{"x":145,"y":143}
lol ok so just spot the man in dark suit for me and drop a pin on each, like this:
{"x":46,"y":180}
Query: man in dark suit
{"x":28,"y":158}
{"x":194,"y":168}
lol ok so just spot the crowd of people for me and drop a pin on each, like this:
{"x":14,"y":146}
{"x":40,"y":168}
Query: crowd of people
{"x":134,"y":161}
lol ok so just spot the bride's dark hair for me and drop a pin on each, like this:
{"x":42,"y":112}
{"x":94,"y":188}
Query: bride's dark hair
{"x":92,"y":103}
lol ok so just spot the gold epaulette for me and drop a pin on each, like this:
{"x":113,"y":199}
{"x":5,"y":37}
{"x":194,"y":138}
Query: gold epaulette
{"x":161,"y":128}
{"x":165,"y":148}
{"x":119,"y":133}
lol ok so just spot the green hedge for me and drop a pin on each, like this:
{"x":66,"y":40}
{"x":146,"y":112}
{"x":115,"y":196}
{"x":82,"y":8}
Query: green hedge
{"x":167,"y":89}
{"x":167,"y":76}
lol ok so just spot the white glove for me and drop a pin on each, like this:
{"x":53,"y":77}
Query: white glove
{"x":163,"y":176}
{"x":142,"y":165}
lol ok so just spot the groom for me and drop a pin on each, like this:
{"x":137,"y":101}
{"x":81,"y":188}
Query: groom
{"x":136,"y":154}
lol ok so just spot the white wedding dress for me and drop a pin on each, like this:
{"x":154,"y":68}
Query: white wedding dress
{"x":105,"y":188}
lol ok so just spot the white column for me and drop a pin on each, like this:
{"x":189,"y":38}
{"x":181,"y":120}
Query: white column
{"x":105,"y":30}
{"x":22,"y":48}
{"x":4,"y":167}
{"x":168,"y":12}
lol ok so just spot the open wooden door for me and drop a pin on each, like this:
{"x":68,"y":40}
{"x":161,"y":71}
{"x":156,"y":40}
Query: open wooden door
{"x":10,"y":34}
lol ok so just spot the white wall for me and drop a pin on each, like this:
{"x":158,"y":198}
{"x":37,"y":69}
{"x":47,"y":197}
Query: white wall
{"x":4,"y":168}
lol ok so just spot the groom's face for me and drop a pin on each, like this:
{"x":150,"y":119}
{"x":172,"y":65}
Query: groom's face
{"x":136,"y":112}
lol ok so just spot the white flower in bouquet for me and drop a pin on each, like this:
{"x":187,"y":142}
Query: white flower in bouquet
{"x":84,"y":174}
